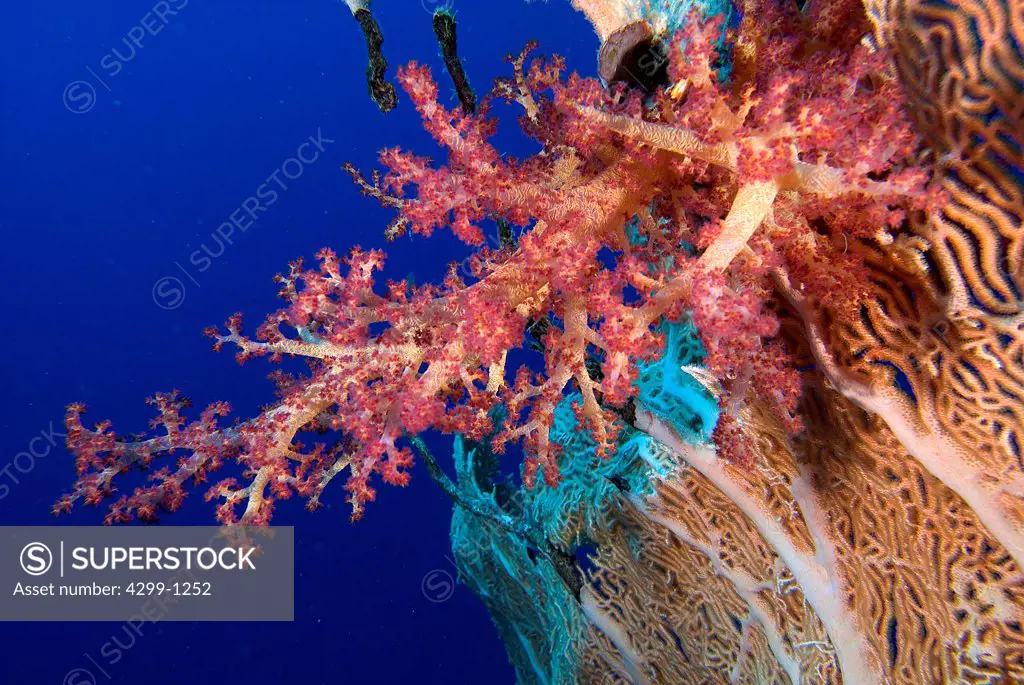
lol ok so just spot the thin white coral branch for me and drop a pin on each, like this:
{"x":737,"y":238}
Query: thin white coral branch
{"x":916,"y":425}
{"x":634,"y":662}
{"x":746,"y":586}
{"x":856,"y":658}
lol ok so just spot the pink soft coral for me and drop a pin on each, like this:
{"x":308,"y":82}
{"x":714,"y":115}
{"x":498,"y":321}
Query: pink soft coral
{"x":695,"y":166}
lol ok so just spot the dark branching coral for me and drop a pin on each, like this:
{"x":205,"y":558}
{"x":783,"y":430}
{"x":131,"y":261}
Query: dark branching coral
{"x":445,"y":30}
{"x":381,"y":90}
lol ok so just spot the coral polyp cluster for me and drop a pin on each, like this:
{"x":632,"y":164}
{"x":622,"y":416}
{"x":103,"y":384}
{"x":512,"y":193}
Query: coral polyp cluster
{"x":772,"y":288}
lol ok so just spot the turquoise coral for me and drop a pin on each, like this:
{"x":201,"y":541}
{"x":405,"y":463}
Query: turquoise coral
{"x":532,"y":602}
{"x":532,"y":606}
{"x":671,"y":393}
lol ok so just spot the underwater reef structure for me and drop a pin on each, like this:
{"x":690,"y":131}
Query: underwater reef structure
{"x":382,"y":92}
{"x":771,"y":273}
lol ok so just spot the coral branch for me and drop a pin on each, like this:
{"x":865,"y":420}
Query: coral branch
{"x":445,"y":31}
{"x":996,"y":499}
{"x":382,"y":92}
{"x":858,"y":663}
{"x":749,"y":208}
{"x":634,"y":662}
{"x":747,"y":587}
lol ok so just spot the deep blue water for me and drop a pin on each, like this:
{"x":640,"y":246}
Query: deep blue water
{"x":98,"y":206}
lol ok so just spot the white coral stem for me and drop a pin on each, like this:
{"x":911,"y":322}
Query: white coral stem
{"x":917,"y":427}
{"x":856,"y":658}
{"x":919,"y":431}
{"x":746,"y":586}
{"x":634,"y":662}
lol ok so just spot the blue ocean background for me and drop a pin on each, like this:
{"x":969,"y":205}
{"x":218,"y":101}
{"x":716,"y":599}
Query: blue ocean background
{"x":102,"y":206}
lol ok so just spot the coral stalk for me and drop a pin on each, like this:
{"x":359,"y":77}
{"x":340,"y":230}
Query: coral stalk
{"x":997,"y":500}
{"x":817,"y":578}
{"x":747,"y":587}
